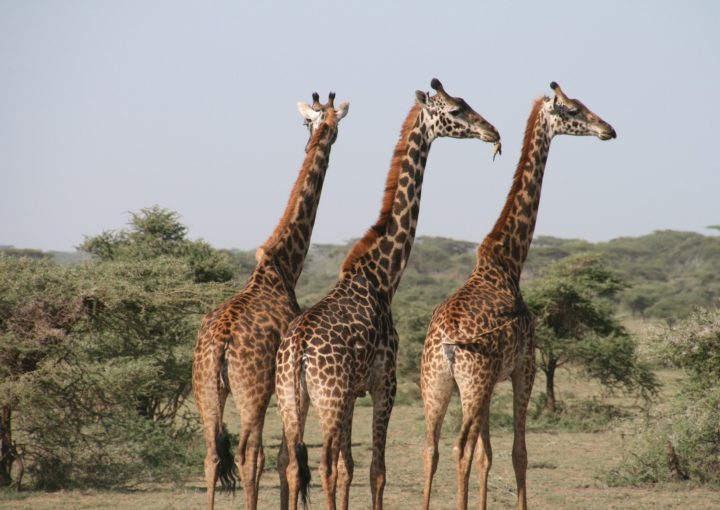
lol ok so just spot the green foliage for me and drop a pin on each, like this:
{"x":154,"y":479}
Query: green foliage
{"x":688,"y":428}
{"x":678,"y":271}
{"x":576,"y":324}
{"x":96,"y":357}
{"x":80,"y":428}
{"x":157,"y":232}
{"x":669,"y":272}
{"x":694,"y":344}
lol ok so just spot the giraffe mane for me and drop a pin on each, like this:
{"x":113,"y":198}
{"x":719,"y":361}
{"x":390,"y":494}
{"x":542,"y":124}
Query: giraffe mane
{"x":495,"y":234}
{"x":292,"y":202}
{"x":391,"y":183}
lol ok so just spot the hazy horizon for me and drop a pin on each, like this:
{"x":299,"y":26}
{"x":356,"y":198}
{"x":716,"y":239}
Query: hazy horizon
{"x":420,"y":236}
{"x":110,"y":107}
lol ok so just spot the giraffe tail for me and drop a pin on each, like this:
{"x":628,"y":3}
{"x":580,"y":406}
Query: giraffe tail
{"x":301,"y":453}
{"x":227,"y":472}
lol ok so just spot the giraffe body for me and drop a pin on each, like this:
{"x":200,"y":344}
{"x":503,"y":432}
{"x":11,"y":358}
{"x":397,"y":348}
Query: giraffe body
{"x":237,"y":341}
{"x":346,"y":344}
{"x":483,"y":334}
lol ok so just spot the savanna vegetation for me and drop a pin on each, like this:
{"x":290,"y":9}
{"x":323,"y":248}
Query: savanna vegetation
{"x":96,"y":346}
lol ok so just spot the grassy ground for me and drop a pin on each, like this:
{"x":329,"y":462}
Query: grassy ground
{"x":565,"y":468}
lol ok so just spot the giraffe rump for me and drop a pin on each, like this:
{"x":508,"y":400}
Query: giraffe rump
{"x":227,"y":472}
{"x":391,"y":184}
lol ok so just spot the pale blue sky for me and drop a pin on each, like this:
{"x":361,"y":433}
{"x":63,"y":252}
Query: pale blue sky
{"x":108,"y":107}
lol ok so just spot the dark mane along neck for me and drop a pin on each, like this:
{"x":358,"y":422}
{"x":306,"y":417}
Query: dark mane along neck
{"x":512,"y":233}
{"x":391,"y":184}
{"x":289,"y":242}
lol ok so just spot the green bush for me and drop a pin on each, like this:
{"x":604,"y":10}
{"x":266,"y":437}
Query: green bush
{"x":682,"y":440}
{"x":95,"y":358}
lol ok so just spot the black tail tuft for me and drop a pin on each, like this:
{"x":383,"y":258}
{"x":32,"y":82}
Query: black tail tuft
{"x":227,"y":472}
{"x":301,"y":455}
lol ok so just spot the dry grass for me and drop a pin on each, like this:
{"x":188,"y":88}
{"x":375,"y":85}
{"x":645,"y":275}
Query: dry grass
{"x":565,"y":470}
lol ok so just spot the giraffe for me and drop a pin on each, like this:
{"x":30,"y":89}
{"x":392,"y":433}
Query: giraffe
{"x":237,"y":341}
{"x":346,"y":344}
{"x":483,"y":333}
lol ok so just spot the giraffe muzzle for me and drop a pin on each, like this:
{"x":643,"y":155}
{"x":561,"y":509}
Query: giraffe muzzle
{"x":607,"y":135}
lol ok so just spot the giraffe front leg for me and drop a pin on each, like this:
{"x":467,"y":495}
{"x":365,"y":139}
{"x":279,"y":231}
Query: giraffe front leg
{"x":522,"y":381}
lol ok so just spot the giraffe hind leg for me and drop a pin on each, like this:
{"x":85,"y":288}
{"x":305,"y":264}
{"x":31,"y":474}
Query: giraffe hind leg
{"x":475,"y":403}
{"x":250,"y":456}
{"x":436,"y":388}
{"x":346,"y":464}
{"x":331,"y":421}
{"x":210,"y":398}
{"x":484,"y":455}
{"x":292,"y":482}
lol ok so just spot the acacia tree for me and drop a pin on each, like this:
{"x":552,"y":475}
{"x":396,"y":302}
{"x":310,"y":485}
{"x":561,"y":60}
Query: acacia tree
{"x":156,"y":232}
{"x":38,"y":309}
{"x":96,"y":357}
{"x":575,"y":324}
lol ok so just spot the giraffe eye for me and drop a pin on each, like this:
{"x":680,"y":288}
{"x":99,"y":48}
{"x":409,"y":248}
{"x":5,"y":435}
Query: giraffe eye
{"x":456,"y":112}
{"x":573,"y":112}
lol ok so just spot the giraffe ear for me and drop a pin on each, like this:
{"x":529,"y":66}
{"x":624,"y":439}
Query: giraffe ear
{"x":421,"y":97}
{"x":307,"y":111}
{"x":342,"y":110}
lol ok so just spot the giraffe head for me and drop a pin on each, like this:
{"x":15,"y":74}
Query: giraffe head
{"x":453,"y":117}
{"x":317,"y":113}
{"x":571,"y":117}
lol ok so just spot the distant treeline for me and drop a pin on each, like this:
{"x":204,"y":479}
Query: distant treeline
{"x":670,"y":273}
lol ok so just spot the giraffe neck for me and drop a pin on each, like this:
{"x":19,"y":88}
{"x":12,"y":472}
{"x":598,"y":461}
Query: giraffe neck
{"x":382,"y":254}
{"x":509,"y":241}
{"x":288,"y":245}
